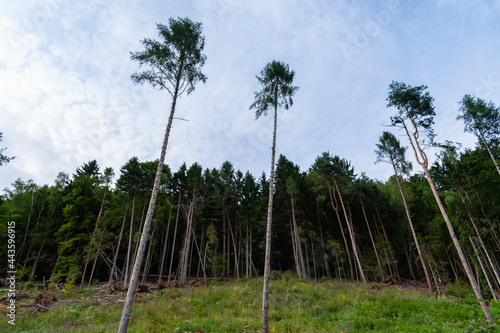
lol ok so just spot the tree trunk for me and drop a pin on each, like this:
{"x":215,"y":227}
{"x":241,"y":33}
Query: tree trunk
{"x":187,"y":247}
{"x":98,"y":247}
{"x":36,"y":261}
{"x":336,"y":208}
{"x":34,"y":232}
{"x":173,"y":242}
{"x":298,"y":246}
{"x":91,"y":243}
{"x":373,"y":242}
{"x":408,"y":259}
{"x":314,"y":261}
{"x":129,"y":301}
{"x":396,"y":272}
{"x":295,"y":258}
{"x":18,"y":255}
{"x":147,"y":265}
{"x":237,"y":272}
{"x":127,"y":263}
{"x":113,"y":268}
{"x":248,"y":268}
{"x":483,"y":269}
{"x":493,"y":267}
{"x":267,"y":258}
{"x":224,"y":245}
{"x":160,"y":273}
{"x":414,"y":234}
{"x":351,"y":233}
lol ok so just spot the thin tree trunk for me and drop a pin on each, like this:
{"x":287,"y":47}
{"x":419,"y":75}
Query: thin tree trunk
{"x":493,"y":267}
{"x":200,"y":260}
{"x":414,"y":234}
{"x":373,"y":241}
{"x":336,"y":208}
{"x":173,"y":242}
{"x":267,"y":258}
{"x":396,"y":272}
{"x":351,"y":233}
{"x":408,"y":259}
{"x":297,"y":267}
{"x":483,"y":269}
{"x":298,"y":247}
{"x":18,"y":255}
{"x":129,"y":301}
{"x":36,"y":261}
{"x":314,"y":261}
{"x":36,"y":227}
{"x":95,"y":260}
{"x":91,"y":243}
{"x":248,"y":269}
{"x":113,"y":268}
{"x":147,"y":265}
{"x":307,"y":260}
{"x":234,"y":247}
{"x":224,"y":244}
{"x":160,"y":273}
{"x":186,"y":248}
{"x":127,"y":263}
{"x":141,"y":225}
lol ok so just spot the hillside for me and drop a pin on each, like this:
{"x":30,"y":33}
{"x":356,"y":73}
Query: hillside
{"x":235,"y":306}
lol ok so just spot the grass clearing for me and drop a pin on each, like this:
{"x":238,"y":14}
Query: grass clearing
{"x":235,"y":306}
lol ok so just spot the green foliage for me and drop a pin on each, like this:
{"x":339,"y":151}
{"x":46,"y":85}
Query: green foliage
{"x":460,"y":289}
{"x":389,"y":150}
{"x":480,"y":118}
{"x":173,"y":63}
{"x":276,"y":88}
{"x":4,"y":159}
{"x":413,"y":104}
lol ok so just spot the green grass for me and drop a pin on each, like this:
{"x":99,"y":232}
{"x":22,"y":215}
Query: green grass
{"x":294,"y":307}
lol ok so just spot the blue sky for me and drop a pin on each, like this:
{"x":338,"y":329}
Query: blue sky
{"x":66,"y":96}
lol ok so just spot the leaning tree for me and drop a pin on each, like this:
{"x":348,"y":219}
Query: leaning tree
{"x":276,"y":81}
{"x":173,"y":64}
{"x":483,"y":120}
{"x":415,"y":114}
{"x":389,"y":150}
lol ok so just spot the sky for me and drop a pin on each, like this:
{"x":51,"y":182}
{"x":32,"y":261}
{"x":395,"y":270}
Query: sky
{"x":66,"y":96}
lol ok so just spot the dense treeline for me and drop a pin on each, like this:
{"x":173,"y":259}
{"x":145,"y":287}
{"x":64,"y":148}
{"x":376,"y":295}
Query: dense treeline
{"x":328,"y":221}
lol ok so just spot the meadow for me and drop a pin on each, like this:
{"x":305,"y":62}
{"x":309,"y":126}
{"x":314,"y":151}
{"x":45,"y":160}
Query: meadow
{"x":235,"y":306}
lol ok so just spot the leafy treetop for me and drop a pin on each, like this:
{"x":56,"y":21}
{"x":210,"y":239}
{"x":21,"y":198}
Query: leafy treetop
{"x":175,"y":62}
{"x":480,"y":118}
{"x":414,"y":104}
{"x":277,"y":90}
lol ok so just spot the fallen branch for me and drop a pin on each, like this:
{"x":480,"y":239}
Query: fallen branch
{"x":41,"y":306}
{"x":38,"y":306}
